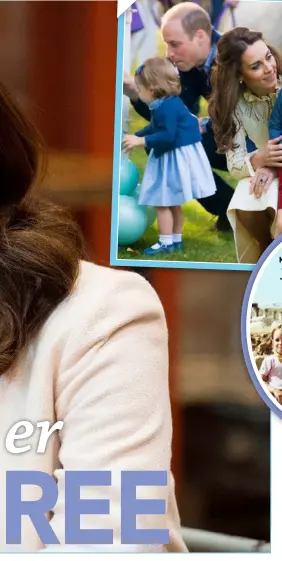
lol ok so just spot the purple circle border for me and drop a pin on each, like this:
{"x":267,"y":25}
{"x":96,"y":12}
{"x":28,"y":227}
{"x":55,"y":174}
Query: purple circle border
{"x":274,"y":408}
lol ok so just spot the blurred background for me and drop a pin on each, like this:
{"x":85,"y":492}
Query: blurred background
{"x":222,"y":427}
{"x":59,"y":61}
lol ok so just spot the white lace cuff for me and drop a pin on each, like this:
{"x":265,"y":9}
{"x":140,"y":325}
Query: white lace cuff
{"x":248,"y":162}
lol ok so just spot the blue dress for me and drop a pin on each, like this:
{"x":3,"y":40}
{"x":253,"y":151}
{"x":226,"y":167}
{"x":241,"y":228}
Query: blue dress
{"x":177,"y":169}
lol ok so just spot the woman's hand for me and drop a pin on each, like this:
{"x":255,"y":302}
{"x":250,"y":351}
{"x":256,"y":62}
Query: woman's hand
{"x":131,"y":141}
{"x":270,"y":155}
{"x":261,"y":181}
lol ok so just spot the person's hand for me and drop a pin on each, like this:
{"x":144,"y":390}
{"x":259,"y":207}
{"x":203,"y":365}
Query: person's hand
{"x":129,"y":87}
{"x":200,"y":125}
{"x":261,"y":181}
{"x":274,"y":152}
{"x":270,"y":155}
{"x":203,"y":124}
{"x":130,"y":141}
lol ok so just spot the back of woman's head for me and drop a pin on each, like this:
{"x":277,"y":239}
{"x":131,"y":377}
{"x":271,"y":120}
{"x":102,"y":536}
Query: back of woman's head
{"x":226,"y":86}
{"x":40,"y":245}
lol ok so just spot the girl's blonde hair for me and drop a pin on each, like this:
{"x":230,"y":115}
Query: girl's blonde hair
{"x":275,"y":327}
{"x":160,"y":76}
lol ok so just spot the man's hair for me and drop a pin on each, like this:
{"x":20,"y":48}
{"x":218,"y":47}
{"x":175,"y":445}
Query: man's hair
{"x":192,"y":16}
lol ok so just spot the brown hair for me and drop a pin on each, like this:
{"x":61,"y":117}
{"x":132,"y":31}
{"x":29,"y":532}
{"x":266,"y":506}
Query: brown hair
{"x":40,"y":245}
{"x":192,"y":16}
{"x":226,"y":88}
{"x":160,"y":76}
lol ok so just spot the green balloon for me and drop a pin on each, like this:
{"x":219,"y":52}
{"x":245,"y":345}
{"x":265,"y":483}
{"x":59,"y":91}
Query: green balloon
{"x":132,"y":221}
{"x":129,"y":176}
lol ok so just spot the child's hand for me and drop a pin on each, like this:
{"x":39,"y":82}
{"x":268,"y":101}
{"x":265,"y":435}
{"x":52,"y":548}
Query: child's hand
{"x":131,"y":141}
{"x":129,"y":87}
{"x":264,"y":377}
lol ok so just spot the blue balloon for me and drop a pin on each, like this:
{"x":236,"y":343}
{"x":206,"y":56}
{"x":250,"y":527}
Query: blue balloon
{"x":136,"y":192}
{"x":129,"y":176}
{"x":150,"y":210}
{"x":132,"y":221}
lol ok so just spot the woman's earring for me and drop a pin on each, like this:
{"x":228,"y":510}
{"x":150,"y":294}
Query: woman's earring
{"x":240,"y":81}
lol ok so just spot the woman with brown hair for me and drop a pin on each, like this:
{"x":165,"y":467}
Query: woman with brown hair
{"x":245,"y":85}
{"x":80,"y":344}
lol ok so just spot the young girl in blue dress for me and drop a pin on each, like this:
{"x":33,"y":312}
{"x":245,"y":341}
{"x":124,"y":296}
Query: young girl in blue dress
{"x":177,"y":169}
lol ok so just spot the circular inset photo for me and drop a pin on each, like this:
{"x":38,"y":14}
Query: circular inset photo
{"x":261,"y":326}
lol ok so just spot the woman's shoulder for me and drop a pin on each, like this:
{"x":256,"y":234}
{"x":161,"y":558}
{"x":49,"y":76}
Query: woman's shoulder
{"x":105,"y":278}
{"x":249,"y":103}
{"x":245,"y":107}
{"x":105,"y":305}
{"x":96,"y":283}
{"x":105,"y":296}
{"x":242,"y":104}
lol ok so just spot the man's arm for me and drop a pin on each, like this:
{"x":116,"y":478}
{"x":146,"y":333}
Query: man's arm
{"x":130,"y":90}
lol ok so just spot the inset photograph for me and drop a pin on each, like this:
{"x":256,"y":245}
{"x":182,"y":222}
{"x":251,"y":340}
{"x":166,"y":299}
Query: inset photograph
{"x":266,"y":337}
{"x":261,"y":325}
{"x":197,"y":134}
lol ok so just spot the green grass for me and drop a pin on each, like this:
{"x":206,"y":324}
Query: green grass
{"x":202,"y":243}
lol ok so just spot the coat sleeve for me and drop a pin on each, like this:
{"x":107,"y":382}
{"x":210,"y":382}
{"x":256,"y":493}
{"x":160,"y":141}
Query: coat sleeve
{"x":239,"y":160}
{"x":142,"y":109}
{"x":113,"y":396}
{"x":145,"y":131}
{"x":166,"y":124}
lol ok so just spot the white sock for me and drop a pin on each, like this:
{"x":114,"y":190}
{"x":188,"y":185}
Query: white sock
{"x":177,"y":238}
{"x":166,"y":240}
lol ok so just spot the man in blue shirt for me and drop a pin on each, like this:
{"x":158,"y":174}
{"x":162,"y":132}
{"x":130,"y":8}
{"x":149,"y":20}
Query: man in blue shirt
{"x":191,"y":45}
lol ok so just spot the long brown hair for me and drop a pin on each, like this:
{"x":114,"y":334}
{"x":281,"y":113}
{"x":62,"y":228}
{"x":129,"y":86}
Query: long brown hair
{"x":40,"y":244}
{"x":226,"y":88}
